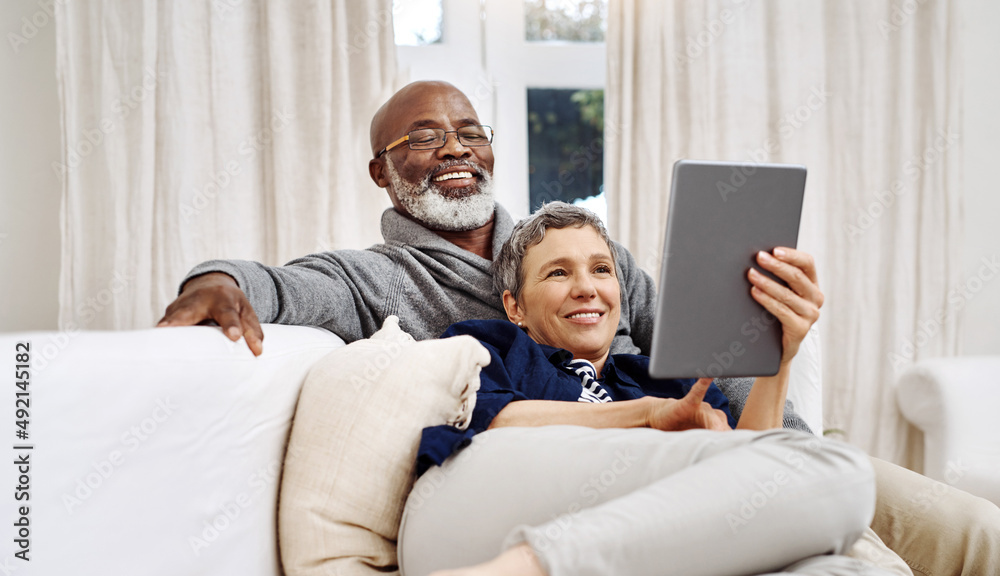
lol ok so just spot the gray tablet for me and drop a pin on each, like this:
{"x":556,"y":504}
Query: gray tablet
{"x":721,"y":214}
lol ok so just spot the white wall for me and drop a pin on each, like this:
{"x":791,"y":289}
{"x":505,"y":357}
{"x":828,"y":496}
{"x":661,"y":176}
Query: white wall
{"x":29,"y":191}
{"x":981,"y":320}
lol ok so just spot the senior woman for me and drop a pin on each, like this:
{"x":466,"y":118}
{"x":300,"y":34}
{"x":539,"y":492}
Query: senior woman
{"x":629,"y":475}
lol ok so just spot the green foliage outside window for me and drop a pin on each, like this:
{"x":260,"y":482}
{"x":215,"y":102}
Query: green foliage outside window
{"x":565,"y":144}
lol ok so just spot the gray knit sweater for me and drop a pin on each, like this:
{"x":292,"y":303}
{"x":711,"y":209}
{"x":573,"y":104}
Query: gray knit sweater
{"x":425,"y":280}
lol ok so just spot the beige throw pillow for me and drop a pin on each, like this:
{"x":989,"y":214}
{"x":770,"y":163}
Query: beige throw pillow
{"x":351,"y":456}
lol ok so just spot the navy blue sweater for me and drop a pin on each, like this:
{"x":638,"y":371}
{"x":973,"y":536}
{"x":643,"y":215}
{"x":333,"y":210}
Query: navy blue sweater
{"x":522,"y":369}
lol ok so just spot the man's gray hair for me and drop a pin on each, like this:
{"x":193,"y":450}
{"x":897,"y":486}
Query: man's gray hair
{"x":508,"y":273}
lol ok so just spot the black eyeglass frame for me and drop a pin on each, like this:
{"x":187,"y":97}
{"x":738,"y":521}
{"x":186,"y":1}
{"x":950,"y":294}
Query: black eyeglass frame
{"x":444,"y":139}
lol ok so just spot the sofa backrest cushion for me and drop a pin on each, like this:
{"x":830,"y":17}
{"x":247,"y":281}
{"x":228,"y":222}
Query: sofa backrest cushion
{"x":155,"y":452}
{"x":351,"y":457}
{"x":805,"y":386}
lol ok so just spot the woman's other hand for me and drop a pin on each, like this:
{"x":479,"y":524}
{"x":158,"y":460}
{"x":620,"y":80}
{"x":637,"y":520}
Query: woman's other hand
{"x":797,"y":305}
{"x":690,"y":412}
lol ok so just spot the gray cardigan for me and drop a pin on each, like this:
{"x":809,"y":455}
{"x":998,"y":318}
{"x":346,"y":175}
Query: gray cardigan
{"x":425,"y":280}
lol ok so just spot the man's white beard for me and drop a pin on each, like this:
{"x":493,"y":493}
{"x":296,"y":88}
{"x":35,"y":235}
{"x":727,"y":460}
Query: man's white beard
{"x":439,"y":212}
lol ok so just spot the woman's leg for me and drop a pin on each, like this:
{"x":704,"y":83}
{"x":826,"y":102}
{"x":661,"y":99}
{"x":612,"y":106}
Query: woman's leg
{"x":638,"y":501}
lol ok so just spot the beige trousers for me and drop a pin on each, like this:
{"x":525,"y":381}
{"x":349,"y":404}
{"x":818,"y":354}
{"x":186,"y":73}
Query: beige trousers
{"x":938,"y":530}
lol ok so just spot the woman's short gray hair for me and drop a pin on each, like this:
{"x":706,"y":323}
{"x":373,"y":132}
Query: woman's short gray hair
{"x":507,"y":268}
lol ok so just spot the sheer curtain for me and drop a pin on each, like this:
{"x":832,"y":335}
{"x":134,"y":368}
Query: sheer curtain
{"x":197,"y":130}
{"x":866,"y":95}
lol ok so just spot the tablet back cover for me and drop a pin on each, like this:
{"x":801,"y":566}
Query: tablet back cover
{"x":720,"y":215}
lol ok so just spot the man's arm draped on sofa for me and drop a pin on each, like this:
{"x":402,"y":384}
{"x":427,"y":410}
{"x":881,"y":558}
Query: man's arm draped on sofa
{"x":433,"y":269}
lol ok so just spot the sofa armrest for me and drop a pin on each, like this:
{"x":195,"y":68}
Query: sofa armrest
{"x":157,"y":451}
{"x":953,"y":401}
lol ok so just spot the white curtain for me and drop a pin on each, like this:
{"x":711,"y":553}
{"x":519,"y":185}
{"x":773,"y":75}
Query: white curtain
{"x":864,"y":93}
{"x":195,"y":130}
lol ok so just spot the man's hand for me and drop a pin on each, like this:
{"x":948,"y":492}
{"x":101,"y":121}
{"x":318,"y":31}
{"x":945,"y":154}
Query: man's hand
{"x":689,"y":412}
{"x":216,"y":296}
{"x":797,"y":305}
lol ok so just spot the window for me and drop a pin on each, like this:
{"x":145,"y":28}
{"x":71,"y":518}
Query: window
{"x":565,"y":20}
{"x":417,"y":22}
{"x":484,"y":50}
{"x":565,"y":145}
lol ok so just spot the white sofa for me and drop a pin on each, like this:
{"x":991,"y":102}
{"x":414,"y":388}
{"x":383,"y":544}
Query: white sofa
{"x":155,"y":451}
{"x":953,"y":401}
{"x":159,"y":451}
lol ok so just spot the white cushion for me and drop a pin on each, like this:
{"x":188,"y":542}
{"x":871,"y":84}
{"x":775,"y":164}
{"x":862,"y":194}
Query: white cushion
{"x":352,"y":454}
{"x":805,"y":383}
{"x":156,"y":451}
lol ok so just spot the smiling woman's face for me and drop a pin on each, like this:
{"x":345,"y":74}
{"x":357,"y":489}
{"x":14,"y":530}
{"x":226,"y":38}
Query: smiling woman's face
{"x":571,"y":298}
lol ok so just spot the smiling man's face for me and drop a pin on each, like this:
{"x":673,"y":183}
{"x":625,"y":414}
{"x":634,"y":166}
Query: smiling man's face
{"x":447,"y":188}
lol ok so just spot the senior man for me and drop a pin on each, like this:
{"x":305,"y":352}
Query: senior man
{"x":434,"y":158}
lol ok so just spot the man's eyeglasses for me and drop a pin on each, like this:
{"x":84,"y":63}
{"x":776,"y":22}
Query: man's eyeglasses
{"x":431,"y":138}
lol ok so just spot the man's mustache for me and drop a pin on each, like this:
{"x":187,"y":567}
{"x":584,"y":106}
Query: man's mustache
{"x":476,"y":169}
